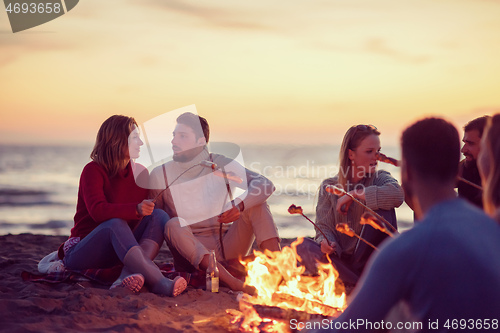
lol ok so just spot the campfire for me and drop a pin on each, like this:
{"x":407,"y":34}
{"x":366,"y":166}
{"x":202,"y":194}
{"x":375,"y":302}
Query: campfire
{"x":286,"y":291}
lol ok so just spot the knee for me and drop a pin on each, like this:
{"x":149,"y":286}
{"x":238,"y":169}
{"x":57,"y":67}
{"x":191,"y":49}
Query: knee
{"x":170,"y":227}
{"x":173,"y":223}
{"x":160,"y":216}
{"x":260,"y":211}
{"x":115,"y":223}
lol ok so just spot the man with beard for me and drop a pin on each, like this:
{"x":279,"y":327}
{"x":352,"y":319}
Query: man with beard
{"x":204,"y":216}
{"x":468,"y":170}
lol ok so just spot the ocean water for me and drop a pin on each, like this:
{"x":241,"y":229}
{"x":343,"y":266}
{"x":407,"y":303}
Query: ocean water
{"x":39,"y":184}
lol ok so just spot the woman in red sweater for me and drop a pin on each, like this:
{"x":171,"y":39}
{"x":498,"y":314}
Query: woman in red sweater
{"x":114,"y":222}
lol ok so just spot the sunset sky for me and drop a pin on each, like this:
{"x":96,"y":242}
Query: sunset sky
{"x":260,"y":71}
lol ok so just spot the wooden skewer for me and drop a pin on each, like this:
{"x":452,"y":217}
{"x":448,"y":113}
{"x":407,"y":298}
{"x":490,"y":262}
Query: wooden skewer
{"x":346,"y":230}
{"x":230,"y":193}
{"x":470,"y":183}
{"x":168,"y":185}
{"x":329,"y":244}
{"x":340,"y":192}
{"x":393,"y":161}
{"x":384,"y":158}
{"x":369,"y":219}
{"x":298,"y":210}
{"x":367,"y":242}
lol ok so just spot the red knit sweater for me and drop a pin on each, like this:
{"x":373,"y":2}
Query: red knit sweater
{"x":101,"y":198}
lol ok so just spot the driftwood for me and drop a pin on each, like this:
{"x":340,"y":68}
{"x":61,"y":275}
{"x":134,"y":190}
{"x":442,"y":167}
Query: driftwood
{"x":326,"y":310}
{"x":282,"y":314}
{"x":277,"y":313}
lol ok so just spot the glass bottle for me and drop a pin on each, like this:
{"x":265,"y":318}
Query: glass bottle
{"x":212,"y":274}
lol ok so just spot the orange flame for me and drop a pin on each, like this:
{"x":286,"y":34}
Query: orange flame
{"x":345,"y":229}
{"x":372,"y":221}
{"x":279,"y":281}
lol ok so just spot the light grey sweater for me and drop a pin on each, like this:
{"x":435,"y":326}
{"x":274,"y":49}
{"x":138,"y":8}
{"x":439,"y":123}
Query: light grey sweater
{"x":382,"y":191}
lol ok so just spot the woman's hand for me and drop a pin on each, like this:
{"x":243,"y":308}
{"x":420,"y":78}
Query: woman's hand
{"x":343,"y":204}
{"x":145,"y":208}
{"x":327,"y":249}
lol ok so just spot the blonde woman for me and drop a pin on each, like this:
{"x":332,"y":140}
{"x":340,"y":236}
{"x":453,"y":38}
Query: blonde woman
{"x":114,"y":223}
{"x":359,"y":176}
{"x":489,"y":167}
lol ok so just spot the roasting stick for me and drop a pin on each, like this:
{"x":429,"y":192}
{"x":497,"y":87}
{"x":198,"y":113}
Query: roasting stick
{"x":341,"y":192}
{"x":230,"y":194}
{"x":372,"y":221}
{"x":470,"y":183}
{"x":298,"y":210}
{"x":219,"y":173}
{"x":161,"y":192}
{"x":384,"y":158}
{"x":395,"y":162}
{"x":346,"y":230}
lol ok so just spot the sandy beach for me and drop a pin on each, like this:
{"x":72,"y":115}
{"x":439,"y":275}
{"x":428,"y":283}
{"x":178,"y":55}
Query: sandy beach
{"x":28,"y":306}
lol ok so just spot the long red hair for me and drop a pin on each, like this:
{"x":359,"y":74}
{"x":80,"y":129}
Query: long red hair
{"x":111,"y":145}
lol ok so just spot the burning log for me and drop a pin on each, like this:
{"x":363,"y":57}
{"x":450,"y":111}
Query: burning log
{"x":372,"y":221}
{"x":297,"y":302}
{"x":275,"y":312}
{"x":346,"y":230}
{"x":284,"y":292}
{"x":280,"y":313}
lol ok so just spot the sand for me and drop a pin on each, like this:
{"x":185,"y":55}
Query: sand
{"x":27,"y":306}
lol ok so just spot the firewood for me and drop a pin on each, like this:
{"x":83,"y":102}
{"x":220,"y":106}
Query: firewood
{"x":277,"y":313}
{"x":300,"y":302}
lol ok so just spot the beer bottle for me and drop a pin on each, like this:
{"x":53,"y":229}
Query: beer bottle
{"x":212,"y":274}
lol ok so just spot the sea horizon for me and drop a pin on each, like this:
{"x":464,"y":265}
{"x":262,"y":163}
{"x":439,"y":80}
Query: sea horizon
{"x":39,"y":184}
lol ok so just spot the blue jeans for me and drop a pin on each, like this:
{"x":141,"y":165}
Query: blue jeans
{"x":108,"y":243}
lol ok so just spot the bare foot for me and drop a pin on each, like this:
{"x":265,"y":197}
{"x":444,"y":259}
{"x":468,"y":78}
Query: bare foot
{"x":180,"y":284}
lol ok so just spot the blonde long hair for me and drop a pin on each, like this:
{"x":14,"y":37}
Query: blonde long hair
{"x":352,"y":140}
{"x":111,"y":143}
{"x":491,"y":191}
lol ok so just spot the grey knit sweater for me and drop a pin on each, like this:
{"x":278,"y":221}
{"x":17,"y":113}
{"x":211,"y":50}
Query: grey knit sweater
{"x":382,"y":191}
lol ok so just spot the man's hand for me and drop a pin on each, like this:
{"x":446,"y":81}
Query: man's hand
{"x":145,"y":208}
{"x":229,"y":215}
{"x":327,"y":249}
